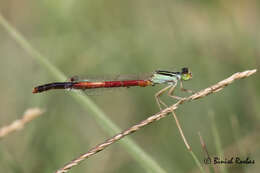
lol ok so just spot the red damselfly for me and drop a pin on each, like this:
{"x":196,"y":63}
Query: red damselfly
{"x":158,"y":77}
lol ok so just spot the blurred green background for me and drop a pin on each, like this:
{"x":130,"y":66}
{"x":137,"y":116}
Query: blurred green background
{"x":213,"y":38}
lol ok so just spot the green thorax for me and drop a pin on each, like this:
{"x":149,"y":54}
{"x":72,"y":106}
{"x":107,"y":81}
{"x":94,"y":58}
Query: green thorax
{"x":158,"y":78}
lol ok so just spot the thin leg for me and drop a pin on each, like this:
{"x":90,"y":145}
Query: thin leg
{"x":170,"y":93}
{"x":158,"y":94}
{"x":185,"y":90}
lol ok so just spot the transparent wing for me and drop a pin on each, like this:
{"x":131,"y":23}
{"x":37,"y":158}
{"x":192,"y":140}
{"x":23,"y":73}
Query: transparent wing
{"x":93,"y":78}
{"x":101,"y":91}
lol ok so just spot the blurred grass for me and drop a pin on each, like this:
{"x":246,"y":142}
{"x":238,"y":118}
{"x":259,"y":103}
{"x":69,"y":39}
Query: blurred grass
{"x":216,"y":136}
{"x":213,"y":38}
{"x":101,"y":118}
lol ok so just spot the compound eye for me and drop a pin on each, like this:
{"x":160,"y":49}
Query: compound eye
{"x":185,"y":70}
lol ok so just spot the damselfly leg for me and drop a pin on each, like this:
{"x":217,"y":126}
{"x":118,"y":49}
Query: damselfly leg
{"x":158,"y":95}
{"x":170,"y":89}
{"x":170,"y":93}
{"x":185,"y":90}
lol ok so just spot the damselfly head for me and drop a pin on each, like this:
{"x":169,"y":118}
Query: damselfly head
{"x":185,"y":74}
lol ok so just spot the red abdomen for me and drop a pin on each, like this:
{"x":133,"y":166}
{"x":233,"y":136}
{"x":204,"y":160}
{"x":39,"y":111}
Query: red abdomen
{"x":111,"y":84}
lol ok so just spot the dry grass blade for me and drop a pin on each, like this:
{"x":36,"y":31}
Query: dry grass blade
{"x":181,"y":131}
{"x":212,"y":89}
{"x":203,"y":144}
{"x":29,"y":115}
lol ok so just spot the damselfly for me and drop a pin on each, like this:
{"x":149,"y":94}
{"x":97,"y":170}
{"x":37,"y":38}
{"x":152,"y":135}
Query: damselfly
{"x":158,"y":77}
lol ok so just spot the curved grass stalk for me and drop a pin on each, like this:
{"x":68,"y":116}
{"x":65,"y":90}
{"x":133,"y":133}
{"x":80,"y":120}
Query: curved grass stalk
{"x":198,"y":95}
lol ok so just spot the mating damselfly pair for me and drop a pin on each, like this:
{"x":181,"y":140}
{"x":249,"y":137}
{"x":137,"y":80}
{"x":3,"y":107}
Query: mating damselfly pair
{"x":158,"y":77}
